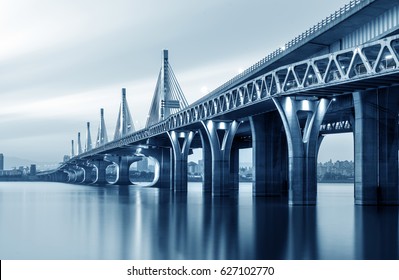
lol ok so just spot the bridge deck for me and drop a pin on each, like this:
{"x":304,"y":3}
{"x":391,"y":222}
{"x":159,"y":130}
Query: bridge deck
{"x":371,"y":65}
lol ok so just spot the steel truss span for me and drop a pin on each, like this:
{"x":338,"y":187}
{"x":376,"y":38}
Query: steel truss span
{"x":367,"y":66}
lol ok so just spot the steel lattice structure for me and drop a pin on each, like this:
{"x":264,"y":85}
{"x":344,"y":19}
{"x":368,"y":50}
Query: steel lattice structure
{"x":334,"y":127}
{"x":366,"y":66}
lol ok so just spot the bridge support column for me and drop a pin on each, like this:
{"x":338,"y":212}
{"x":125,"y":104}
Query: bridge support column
{"x":88,"y":178}
{"x":101,"y":166}
{"x":73,"y":176}
{"x":62,"y":177}
{"x":181,"y":142}
{"x":124,"y":163}
{"x":269,"y":152}
{"x":220,"y":138}
{"x":123,"y":171}
{"x":207,"y":159}
{"x":80,"y":174}
{"x":69,"y":176}
{"x":163,"y":173}
{"x":302,"y":119}
{"x":59,"y":176}
{"x":65,"y":176}
{"x":376,"y":146}
{"x":234,"y":168}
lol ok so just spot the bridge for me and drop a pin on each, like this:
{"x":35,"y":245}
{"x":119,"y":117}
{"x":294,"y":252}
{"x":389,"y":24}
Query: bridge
{"x":341,"y":75}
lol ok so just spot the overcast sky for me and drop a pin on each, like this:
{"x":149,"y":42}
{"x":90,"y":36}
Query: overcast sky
{"x":61,"y":61}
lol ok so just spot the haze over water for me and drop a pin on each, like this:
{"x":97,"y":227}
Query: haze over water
{"x":63,"y":221}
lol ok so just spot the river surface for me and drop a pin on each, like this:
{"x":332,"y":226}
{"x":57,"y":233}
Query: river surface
{"x":64,"y":221}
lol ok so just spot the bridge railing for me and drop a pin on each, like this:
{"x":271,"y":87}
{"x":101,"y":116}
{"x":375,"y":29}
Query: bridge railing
{"x":331,"y":18}
{"x":337,"y":15}
{"x":375,"y":59}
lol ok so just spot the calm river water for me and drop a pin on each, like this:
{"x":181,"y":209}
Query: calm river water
{"x":62,"y":221}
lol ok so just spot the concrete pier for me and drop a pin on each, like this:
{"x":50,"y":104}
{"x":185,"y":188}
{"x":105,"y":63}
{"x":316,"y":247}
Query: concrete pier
{"x":207,"y":158}
{"x":376,"y":146}
{"x":87,"y":174}
{"x":101,"y":166}
{"x":302,"y":119}
{"x":163,"y":171}
{"x":220,"y":136}
{"x":181,"y":142}
{"x":269,"y":154}
{"x":124,"y":163}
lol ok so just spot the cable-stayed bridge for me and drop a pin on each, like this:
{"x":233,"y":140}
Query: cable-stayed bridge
{"x":341,"y":75}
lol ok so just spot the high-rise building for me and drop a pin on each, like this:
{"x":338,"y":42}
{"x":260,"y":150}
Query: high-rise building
{"x":32,"y":170}
{"x":1,"y":162}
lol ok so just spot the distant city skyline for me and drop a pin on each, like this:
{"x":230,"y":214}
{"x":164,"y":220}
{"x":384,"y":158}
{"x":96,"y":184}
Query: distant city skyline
{"x":60,"y":62}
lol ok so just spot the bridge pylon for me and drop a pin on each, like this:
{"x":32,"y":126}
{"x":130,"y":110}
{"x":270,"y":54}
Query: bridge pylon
{"x":124,"y":123}
{"x":102,"y":136}
{"x":79,"y":145}
{"x":72,"y":148}
{"x":168,"y":97}
{"x":88,"y":144}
